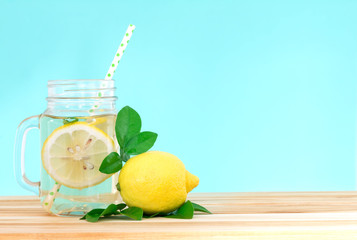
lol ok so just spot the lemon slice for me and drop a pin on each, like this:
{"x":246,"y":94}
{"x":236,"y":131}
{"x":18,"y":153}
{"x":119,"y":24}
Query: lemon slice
{"x":73,"y":153}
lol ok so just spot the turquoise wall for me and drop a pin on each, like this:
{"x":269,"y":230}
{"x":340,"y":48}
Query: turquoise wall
{"x":251,"y":95}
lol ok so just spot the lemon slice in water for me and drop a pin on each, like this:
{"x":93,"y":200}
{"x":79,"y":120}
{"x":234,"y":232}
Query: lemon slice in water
{"x":73,"y":153}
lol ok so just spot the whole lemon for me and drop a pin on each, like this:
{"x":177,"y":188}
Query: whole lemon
{"x":156,"y":182}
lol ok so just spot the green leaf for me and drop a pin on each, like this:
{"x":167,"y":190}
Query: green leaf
{"x":110,"y":210}
{"x":154,"y":215}
{"x":111,"y":163}
{"x":197,"y":207}
{"x":140,"y":143}
{"x":184,"y":212}
{"x":118,"y":187}
{"x":94,"y":215}
{"x":121,"y":206}
{"x":128,"y":124}
{"x":133,"y":212}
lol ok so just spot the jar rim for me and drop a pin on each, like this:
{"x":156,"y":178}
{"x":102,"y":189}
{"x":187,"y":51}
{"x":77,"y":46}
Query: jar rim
{"x":58,"y":81}
{"x":81,"y":89}
{"x":83,"y":98}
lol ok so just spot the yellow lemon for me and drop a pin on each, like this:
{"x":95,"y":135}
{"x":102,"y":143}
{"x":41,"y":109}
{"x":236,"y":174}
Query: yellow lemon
{"x":156,"y":182}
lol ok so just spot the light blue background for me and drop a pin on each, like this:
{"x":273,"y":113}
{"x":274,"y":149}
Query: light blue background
{"x":251,"y":95}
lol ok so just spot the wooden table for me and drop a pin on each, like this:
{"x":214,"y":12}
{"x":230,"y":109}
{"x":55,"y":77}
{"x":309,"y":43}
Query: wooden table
{"x":274,"y":215}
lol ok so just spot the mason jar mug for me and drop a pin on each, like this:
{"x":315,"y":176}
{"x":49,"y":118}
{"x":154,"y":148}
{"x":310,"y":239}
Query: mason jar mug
{"x":77,"y":131}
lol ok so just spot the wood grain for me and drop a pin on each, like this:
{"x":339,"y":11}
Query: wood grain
{"x":251,"y":216}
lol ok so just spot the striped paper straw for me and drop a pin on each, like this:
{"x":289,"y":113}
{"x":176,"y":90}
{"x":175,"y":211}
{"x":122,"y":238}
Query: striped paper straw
{"x":113,"y":66}
{"x":120,"y":52}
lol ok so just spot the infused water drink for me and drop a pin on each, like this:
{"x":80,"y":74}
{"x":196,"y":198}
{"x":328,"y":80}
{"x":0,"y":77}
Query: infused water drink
{"x":72,"y":151}
{"x":77,"y":132}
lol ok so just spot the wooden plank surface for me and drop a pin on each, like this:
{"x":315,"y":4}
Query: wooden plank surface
{"x":251,"y":216}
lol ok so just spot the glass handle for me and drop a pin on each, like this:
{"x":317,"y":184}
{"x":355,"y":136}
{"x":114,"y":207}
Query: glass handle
{"x":19,"y":153}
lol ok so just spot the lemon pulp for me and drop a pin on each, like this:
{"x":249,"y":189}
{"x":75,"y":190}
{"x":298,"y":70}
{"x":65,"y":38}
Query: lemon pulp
{"x":73,"y":153}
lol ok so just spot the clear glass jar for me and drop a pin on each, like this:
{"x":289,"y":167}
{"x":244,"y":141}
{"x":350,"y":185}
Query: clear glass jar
{"x":77,"y":131}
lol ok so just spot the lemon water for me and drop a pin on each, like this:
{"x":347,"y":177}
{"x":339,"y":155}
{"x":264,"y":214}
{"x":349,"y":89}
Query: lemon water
{"x":73,"y":197}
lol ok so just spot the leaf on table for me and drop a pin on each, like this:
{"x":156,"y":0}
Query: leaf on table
{"x":93,"y":215}
{"x":121,"y":206}
{"x":133,"y":212}
{"x":110,"y":210}
{"x":155,"y":215}
{"x":184,"y":212}
{"x":197,"y":207}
